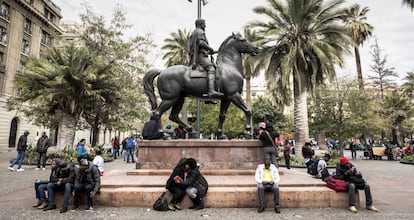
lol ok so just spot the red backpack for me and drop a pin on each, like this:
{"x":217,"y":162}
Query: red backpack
{"x":336,"y":184}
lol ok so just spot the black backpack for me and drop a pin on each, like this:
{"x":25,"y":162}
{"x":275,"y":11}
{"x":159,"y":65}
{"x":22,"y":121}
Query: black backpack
{"x":313,"y":167}
{"x":161,"y":204}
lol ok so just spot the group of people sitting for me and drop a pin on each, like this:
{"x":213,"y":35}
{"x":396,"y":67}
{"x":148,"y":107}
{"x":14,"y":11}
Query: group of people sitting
{"x":68,"y":177}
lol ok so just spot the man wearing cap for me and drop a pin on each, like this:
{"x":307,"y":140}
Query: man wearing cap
{"x":21,"y":152}
{"x":87,"y":179}
{"x":199,"y":51}
{"x":346,"y":171}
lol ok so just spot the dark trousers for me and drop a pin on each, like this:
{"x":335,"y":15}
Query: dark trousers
{"x":351,"y":194}
{"x":83,"y":187}
{"x":287,"y":160}
{"x":41,"y":156}
{"x":177,"y":194}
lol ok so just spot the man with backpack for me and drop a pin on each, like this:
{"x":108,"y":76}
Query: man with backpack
{"x":131,"y":149}
{"x":88,"y":180}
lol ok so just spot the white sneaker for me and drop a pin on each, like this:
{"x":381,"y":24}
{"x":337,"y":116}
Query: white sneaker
{"x":10,"y":168}
{"x":37,"y":168}
{"x":19,"y":170}
{"x":43,"y":168}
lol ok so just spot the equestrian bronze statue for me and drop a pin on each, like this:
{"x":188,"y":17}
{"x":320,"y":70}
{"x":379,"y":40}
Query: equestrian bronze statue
{"x":177,"y":82}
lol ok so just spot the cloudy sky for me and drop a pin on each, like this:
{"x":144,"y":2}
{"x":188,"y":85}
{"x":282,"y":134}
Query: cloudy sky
{"x":393,"y":24}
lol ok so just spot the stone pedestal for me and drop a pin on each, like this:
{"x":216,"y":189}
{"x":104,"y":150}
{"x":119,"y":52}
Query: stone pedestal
{"x":211,"y":154}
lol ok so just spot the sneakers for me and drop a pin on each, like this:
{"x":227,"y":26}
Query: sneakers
{"x":372,"y":208}
{"x":43,"y":168}
{"x":74,"y":208}
{"x":261,"y":209}
{"x":89,"y":209}
{"x":199,"y":207}
{"x":11,"y":169}
{"x":37,"y":169}
{"x":63,"y":210}
{"x":49,"y":207}
{"x":171,"y":207}
{"x":353,"y":209}
{"x":20,"y":170}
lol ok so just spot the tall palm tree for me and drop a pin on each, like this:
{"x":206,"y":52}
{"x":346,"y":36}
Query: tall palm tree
{"x":303,"y":42}
{"x":355,"y":22}
{"x":251,"y":65}
{"x":61,"y":82}
{"x":176,"y":48}
{"x":409,"y":3}
{"x":408,"y":86}
{"x":177,"y":54}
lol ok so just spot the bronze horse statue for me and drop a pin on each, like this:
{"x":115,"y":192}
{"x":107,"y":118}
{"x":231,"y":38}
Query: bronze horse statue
{"x":179,"y":81}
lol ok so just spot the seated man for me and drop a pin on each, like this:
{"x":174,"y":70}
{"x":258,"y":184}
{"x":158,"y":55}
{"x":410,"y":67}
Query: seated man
{"x":322,"y":170}
{"x":346,"y":171}
{"x":267,"y":178}
{"x":88,"y":180}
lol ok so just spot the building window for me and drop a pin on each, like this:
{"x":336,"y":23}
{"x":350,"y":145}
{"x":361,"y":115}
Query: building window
{"x":3,"y":35}
{"x":27,"y":25}
{"x":49,"y":15}
{"x":4,"y":10}
{"x":25,"y":46}
{"x":45,"y":38}
{"x":20,"y":68}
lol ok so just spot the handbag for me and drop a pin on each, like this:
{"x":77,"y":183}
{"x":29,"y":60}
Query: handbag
{"x":161,"y":204}
{"x":336,"y":184}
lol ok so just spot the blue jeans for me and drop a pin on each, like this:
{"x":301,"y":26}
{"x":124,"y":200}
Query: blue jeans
{"x":51,"y":187}
{"x":83,"y":187}
{"x":268,"y":187}
{"x":351,"y":194}
{"x":40,"y":192}
{"x":115,"y":153}
{"x":20,"y":158}
{"x":131,"y":153}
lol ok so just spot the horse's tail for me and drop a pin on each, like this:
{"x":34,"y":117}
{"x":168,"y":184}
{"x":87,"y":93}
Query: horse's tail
{"x":148,"y":83}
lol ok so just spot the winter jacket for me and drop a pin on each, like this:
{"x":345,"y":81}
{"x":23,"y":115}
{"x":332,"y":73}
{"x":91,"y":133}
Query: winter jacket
{"x":81,"y":151}
{"x":198,"y":181}
{"x":22,"y":144}
{"x":64,"y":174}
{"x":42,"y":144}
{"x":90,"y":175}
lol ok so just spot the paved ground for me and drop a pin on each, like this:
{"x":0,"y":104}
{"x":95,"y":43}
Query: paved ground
{"x":391,"y":184}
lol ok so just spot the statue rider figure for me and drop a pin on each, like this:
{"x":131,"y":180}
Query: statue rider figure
{"x":199,"y":52}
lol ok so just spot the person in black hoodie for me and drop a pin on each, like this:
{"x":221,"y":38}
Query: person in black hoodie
{"x":198,"y":185}
{"x":42,"y":146}
{"x":21,"y":152}
{"x":268,"y":137}
{"x":177,"y":183}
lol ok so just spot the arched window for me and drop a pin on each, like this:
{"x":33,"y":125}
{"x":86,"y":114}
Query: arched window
{"x":13,"y":132}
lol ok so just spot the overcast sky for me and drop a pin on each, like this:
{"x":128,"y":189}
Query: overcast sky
{"x":393,"y":24}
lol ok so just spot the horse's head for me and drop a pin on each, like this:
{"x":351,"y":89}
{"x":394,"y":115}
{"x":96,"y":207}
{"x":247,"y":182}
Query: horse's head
{"x":244,"y":46}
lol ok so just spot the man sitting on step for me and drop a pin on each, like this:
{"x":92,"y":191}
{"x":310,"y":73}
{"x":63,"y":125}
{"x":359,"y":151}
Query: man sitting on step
{"x":267,"y":178}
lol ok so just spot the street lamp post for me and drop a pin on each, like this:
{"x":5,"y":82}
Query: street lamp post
{"x":198,"y":100}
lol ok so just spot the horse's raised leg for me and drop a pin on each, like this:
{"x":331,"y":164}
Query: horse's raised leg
{"x":175,"y":111}
{"x":224,"y":106}
{"x":238,"y":101}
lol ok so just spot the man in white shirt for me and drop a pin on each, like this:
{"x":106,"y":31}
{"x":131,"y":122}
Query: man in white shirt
{"x":267,"y":179}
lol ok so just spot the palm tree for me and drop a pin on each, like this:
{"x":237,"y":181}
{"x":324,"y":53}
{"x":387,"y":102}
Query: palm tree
{"x":177,"y":54}
{"x":360,"y":30}
{"x":251,"y":65}
{"x":61,"y":83}
{"x":408,"y":86}
{"x":302,"y":42}
{"x":409,"y":3}
{"x":176,"y":47}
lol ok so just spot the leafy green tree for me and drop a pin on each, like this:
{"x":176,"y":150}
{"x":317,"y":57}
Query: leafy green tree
{"x":355,"y":22}
{"x":124,"y":61}
{"x":303,"y":41}
{"x":264,"y":111}
{"x":383,"y":78}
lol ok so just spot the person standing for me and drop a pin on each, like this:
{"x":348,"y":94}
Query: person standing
{"x":116,"y":147}
{"x":199,"y":51}
{"x":286,"y":153}
{"x":42,"y":146}
{"x":131,"y":149}
{"x":347,"y":172}
{"x":268,"y":137}
{"x":21,"y":152}
{"x":353,"y":147}
{"x":267,"y":179}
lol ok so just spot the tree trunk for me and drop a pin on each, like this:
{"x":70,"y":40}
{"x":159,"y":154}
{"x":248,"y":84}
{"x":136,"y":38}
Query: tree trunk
{"x":95,"y":130}
{"x":66,"y":131}
{"x":248,"y":91}
{"x":359,"y":68}
{"x":300,"y":119}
